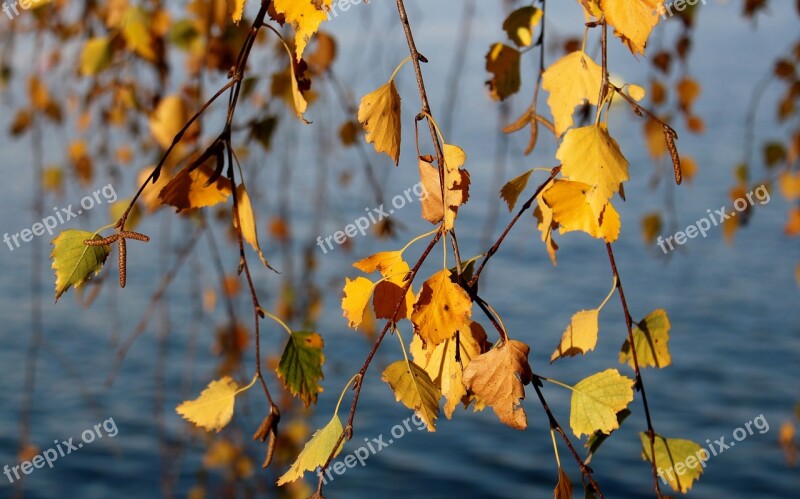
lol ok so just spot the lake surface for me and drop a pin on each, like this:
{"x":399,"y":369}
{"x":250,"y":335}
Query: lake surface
{"x":735,"y":337}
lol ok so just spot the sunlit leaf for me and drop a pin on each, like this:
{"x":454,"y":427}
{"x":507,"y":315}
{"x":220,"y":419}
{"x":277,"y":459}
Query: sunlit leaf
{"x":316,"y":451}
{"x":75,"y":263}
{"x":651,"y":338}
{"x":680,"y":462}
{"x":498,"y":378}
{"x":213,"y":409}
{"x":445,"y":362}
{"x":596,"y":401}
{"x":413,"y":387}
{"x":379,"y":113}
{"x":571,"y":81}
{"x":442,"y":308}
{"x":580,"y":336}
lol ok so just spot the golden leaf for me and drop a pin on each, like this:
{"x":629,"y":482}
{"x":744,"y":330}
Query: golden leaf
{"x":379,"y":113}
{"x":590,"y":155}
{"x":305,"y":17}
{"x":213,"y":409}
{"x":442,"y":308}
{"x":356,"y":298}
{"x":188,"y":190}
{"x":498,"y":378}
{"x":580,"y":336}
{"x":413,"y":387}
{"x":445,"y":362}
{"x":633,"y":20}
{"x":571,"y":81}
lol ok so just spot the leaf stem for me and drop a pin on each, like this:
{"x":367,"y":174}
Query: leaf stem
{"x":610,"y":294}
{"x":397,"y":69}
{"x":244,"y":389}
{"x":276,"y":319}
{"x":341,"y":396}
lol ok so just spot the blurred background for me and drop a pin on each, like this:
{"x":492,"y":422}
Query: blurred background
{"x":134,"y":354}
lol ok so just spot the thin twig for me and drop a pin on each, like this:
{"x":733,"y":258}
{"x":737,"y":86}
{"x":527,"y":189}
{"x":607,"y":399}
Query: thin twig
{"x":639,"y":382}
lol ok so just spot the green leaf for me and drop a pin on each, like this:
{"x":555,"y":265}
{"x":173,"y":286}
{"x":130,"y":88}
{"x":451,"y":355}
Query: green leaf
{"x":680,"y":462}
{"x":96,"y":56}
{"x":414,"y":388}
{"x":316,"y":451}
{"x":73,"y":262}
{"x":519,"y":25}
{"x":596,"y":401}
{"x":301,"y":365}
{"x":650,"y":338}
{"x":511,"y":191}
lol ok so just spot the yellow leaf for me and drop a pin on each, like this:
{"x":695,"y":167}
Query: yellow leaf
{"x":388,"y":291}
{"x":379,"y":113}
{"x":633,"y":20}
{"x":37,"y":90}
{"x":636,"y":92}
{"x":504,"y":64}
{"x":651,"y":227}
{"x":356,"y":298}
{"x":75,"y":263}
{"x":248,"y":220}
{"x":442,"y":308}
{"x":305,"y":17}
{"x":571,"y":81}
{"x":442,"y":362}
{"x":498,"y":378}
{"x":413,"y":387}
{"x":299,"y":101}
{"x":53,"y":179}
{"x":688,"y":91}
{"x":316,"y":451}
{"x":590,"y":155}
{"x":596,"y":401}
{"x":651,"y":338}
{"x":654,"y":137}
{"x":150,"y":196}
{"x":688,"y":167}
{"x":137,"y":34}
{"x":519,"y":25}
{"x":167,"y":120}
{"x":213,"y":409}
{"x":236,"y":9}
{"x":571,"y":209}
{"x":544,"y":214}
{"x":117,"y":209}
{"x":511,"y":191}
{"x":188,"y":190}
{"x":386,"y":262}
{"x":676,"y":455}
{"x":457,"y":182}
{"x":591,"y":9}
{"x":580,"y":336}
{"x":95,"y":56}
{"x":790,"y":185}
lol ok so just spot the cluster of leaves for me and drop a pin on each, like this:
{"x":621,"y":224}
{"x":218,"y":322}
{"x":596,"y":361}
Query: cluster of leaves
{"x":451,"y":355}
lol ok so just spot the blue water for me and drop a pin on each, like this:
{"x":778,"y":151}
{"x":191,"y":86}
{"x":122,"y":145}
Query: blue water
{"x":735,"y":337}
